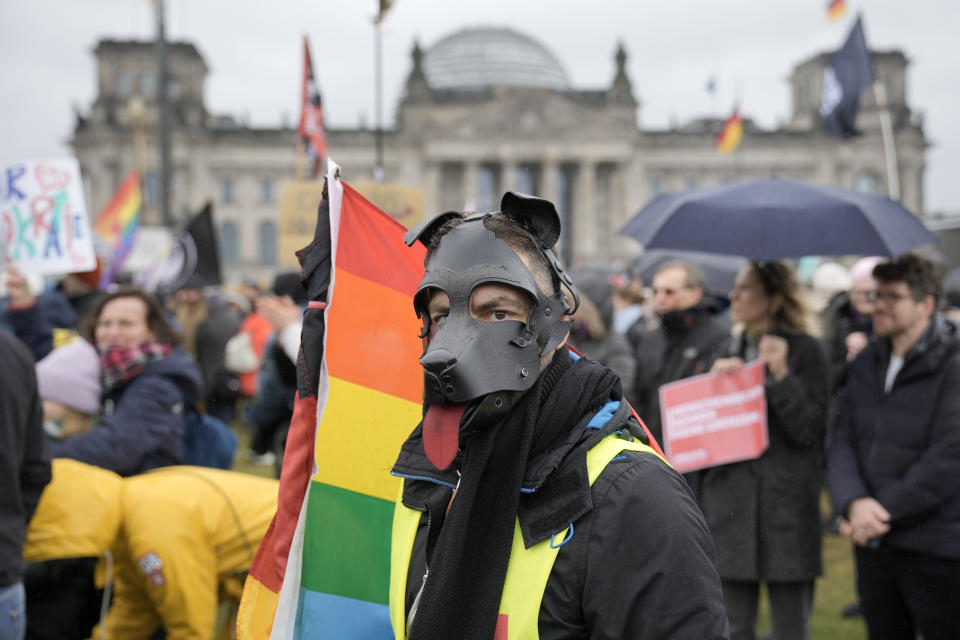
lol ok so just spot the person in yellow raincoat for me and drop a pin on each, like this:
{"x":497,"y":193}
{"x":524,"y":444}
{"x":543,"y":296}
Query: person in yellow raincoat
{"x":178,"y":535}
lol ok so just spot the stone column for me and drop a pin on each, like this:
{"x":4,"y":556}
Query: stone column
{"x":470,"y":168}
{"x":508,"y":174}
{"x":431,"y":187}
{"x":585,"y":240}
{"x":548,"y":179}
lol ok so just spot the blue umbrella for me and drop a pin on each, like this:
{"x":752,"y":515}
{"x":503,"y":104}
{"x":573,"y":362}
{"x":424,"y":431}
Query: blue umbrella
{"x":773,"y":218}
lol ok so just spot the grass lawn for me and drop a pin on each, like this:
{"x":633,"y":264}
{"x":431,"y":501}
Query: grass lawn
{"x":833,"y":591}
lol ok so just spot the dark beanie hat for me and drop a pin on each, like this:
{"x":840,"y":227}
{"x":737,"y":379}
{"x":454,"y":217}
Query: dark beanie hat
{"x":288,"y":284}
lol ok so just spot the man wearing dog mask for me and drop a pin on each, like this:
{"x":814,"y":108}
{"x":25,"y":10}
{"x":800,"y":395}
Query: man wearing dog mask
{"x":532,"y":506}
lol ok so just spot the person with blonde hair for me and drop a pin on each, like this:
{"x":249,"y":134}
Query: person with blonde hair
{"x":764,"y":513}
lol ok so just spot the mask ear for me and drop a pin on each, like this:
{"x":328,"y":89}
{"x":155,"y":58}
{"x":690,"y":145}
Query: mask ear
{"x":425,"y":231}
{"x":536,"y":215}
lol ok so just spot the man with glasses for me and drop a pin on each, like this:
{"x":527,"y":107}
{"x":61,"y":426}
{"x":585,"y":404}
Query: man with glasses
{"x":685,"y":342}
{"x":894,"y":466}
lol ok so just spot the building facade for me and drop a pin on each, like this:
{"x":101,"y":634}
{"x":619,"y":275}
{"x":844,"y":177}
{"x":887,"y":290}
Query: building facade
{"x":484,"y":111}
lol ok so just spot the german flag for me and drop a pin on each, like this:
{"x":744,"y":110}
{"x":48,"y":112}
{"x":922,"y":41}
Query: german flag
{"x":836,"y":9}
{"x":731,"y":134}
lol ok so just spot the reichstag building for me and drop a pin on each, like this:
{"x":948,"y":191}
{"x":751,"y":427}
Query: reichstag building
{"x":484,"y":110}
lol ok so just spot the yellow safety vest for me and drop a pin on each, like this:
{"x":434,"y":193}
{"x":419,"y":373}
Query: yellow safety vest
{"x":528,"y":570}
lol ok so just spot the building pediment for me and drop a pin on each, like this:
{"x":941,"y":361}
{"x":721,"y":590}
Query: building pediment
{"x":517,"y":112}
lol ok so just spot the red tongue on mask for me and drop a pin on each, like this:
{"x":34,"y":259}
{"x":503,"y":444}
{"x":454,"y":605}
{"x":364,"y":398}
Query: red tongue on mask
{"x":441,"y":433}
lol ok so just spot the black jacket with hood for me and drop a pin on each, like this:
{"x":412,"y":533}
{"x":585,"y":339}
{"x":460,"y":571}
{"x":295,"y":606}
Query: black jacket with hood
{"x":24,"y":462}
{"x":903,"y":447}
{"x":685,"y":344}
{"x":144,"y":419}
{"x":640,"y":562}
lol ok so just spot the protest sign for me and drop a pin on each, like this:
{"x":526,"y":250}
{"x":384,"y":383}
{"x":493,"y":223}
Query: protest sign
{"x":403,"y":203}
{"x":713,"y":419}
{"x":43,"y":218}
{"x":298,"y":218}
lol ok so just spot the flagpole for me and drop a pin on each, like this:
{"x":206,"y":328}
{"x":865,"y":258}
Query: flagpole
{"x":889,"y":144}
{"x":163,"y":129}
{"x":378,"y":95}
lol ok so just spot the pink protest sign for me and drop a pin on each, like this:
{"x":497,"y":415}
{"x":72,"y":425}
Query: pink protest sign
{"x":44,"y":227}
{"x":711,"y":419}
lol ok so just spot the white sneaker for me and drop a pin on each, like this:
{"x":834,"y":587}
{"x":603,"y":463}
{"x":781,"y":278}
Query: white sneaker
{"x":267,"y":459}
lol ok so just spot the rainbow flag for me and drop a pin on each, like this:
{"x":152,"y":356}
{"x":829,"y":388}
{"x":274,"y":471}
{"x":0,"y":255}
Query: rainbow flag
{"x":836,"y":9}
{"x":731,"y":134}
{"x":117,"y":225}
{"x":323,"y":569}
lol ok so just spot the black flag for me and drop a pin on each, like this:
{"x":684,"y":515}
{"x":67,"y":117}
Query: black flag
{"x":849,"y":73}
{"x":193,"y":261}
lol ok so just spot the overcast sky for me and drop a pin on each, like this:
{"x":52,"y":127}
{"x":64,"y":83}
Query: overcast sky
{"x":253,"y":51}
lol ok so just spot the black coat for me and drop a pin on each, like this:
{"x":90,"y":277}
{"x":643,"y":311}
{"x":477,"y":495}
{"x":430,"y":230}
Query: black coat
{"x":639,"y":565}
{"x":764,"y":514}
{"x":685,"y":344}
{"x":840,"y":319}
{"x":24,"y":461}
{"x":903,"y":447}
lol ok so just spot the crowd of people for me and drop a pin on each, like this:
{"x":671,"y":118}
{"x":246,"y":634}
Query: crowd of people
{"x":860,"y":395}
{"x":125,"y":387}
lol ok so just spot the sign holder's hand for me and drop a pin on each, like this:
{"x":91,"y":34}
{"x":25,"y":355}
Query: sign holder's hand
{"x":18,"y":289}
{"x":725,"y":366}
{"x":772,"y":351}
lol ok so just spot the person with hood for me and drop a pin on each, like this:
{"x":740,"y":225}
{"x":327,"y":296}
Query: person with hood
{"x":532,"y":505}
{"x":62,"y":599}
{"x":765,"y":513}
{"x":148,"y":381}
{"x":686,"y":341}
{"x":177,"y":541}
{"x":894,"y":463}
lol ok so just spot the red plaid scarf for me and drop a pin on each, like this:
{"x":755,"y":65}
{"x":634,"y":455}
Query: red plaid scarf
{"x":122,"y":364}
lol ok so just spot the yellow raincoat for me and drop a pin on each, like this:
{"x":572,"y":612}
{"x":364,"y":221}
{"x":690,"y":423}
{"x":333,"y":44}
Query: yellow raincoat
{"x":178,"y":535}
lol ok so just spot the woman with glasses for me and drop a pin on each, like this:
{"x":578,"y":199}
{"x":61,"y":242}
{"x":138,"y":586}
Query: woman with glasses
{"x":764,"y":513}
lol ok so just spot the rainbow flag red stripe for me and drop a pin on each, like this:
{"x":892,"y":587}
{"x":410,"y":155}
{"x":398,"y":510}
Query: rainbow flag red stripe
{"x":117,"y":224}
{"x":328,"y":575}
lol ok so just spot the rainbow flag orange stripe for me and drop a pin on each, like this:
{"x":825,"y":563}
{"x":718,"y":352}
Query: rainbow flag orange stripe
{"x":117,"y":224}
{"x":731,"y":134}
{"x":336,"y":578}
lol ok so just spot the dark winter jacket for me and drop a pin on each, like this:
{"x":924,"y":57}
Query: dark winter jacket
{"x":221,"y":324}
{"x":764,"y":514}
{"x":685,"y":344}
{"x":143,"y":423}
{"x":903,"y":447}
{"x":840,"y":319}
{"x":640,"y":563}
{"x":24,"y":462}
{"x":34,"y":325}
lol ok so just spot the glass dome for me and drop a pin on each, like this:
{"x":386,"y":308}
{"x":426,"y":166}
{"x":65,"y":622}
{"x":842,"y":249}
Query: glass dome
{"x":483,"y":57}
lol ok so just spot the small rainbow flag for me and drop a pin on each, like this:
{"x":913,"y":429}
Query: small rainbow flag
{"x":836,"y":9}
{"x":732,"y":133}
{"x":117,"y":224}
{"x":323,"y":569}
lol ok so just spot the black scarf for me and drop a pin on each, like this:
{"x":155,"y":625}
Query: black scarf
{"x":461,"y":597}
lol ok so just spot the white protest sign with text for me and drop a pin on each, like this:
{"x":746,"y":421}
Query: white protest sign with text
{"x":712,"y":419}
{"x":43,"y":218}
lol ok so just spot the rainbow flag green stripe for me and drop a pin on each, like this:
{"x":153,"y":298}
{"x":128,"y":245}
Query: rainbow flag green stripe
{"x":351,"y":558}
